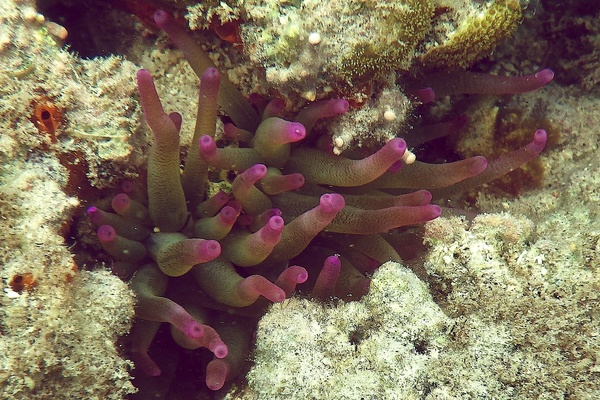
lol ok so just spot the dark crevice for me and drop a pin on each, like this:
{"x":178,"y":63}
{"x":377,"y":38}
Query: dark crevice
{"x":95,"y":28}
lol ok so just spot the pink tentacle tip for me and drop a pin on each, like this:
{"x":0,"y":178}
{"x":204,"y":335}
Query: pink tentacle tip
{"x":275,"y":223}
{"x":269,"y":290}
{"x":255,"y":172}
{"x":539,"y":140}
{"x":327,"y":279}
{"x":276,"y":296}
{"x":396,"y":145}
{"x":296,"y":180}
{"x":544,"y":76}
{"x":221,"y":197}
{"x":421,"y":197}
{"x":332,"y":202}
{"x":106,"y":234}
{"x":210,"y":74}
{"x":120,"y":202}
{"x":338,"y":106}
{"x":295,"y":132}
{"x":271,"y":232}
{"x":236,"y":205}
{"x":284,"y":183}
{"x":162,"y":18}
{"x":228,"y":214}
{"x":291,"y":277}
{"x":218,"y":348}
{"x":216,"y":374}
{"x":208,"y":249}
{"x":332,"y":262}
{"x":177,"y":119}
{"x":479,"y":164}
{"x":434,"y":212}
{"x":302,"y":276}
{"x":94,"y":214}
{"x":254,"y":286}
{"x":143,"y":75}
{"x":207,"y":146}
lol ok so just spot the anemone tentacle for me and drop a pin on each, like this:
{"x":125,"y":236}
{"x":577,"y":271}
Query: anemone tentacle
{"x":321,"y":168}
{"x":130,"y":209}
{"x":466,"y":82}
{"x":500,"y":166}
{"x":218,"y":226}
{"x":121,"y":248}
{"x":219,"y":279}
{"x":166,"y":199}
{"x":229,"y":158}
{"x":195,"y":172}
{"x":149,"y":284}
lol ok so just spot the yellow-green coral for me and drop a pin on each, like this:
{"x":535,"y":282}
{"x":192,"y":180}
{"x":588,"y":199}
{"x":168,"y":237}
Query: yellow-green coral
{"x":380,"y":347}
{"x":399,"y":27}
{"x":200,"y":15}
{"x":352,"y":41}
{"x":355,"y":41}
{"x":476,"y":35}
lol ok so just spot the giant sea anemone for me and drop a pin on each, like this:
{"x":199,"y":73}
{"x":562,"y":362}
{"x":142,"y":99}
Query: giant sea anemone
{"x":293,"y":214}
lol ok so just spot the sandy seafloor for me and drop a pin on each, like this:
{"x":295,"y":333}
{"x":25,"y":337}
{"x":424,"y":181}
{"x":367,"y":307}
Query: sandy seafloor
{"x":521,"y":320}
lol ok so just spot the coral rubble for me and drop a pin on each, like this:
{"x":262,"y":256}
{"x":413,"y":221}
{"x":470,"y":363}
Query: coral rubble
{"x":379,"y":347}
{"x":58,"y":327}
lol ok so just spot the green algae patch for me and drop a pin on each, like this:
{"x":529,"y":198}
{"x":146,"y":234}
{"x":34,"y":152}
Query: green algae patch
{"x":397,"y":27}
{"x":476,"y":34}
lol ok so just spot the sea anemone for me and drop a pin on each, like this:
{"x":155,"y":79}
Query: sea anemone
{"x":290,"y":201}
